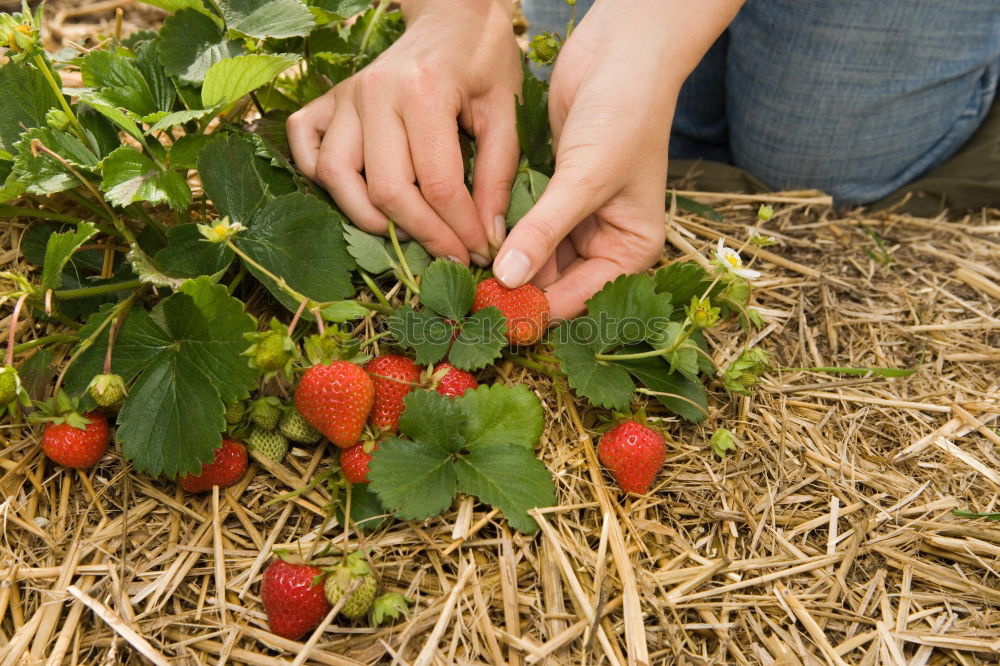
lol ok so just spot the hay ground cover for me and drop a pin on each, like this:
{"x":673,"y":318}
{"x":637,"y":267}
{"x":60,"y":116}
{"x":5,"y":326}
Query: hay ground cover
{"x":827,"y":536}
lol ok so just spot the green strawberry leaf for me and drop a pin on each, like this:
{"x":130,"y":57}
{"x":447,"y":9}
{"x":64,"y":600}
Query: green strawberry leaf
{"x":10,"y":186}
{"x":130,"y":176}
{"x":424,"y":332}
{"x":342,"y":311}
{"x":414,"y":479}
{"x":341,"y":9}
{"x":501,"y":415}
{"x":184,"y":153}
{"x":527,"y":190}
{"x":299,"y":238}
{"x":508,"y":477}
{"x":60,"y":249}
{"x":191,"y":42}
{"x":228,"y":80}
{"x":533,"y":131}
{"x":226,"y":167}
{"x":433,"y":419}
{"x":482,"y":336}
{"x":41,"y":174}
{"x":107,"y":108}
{"x":628,"y":310}
{"x":268,"y":18}
{"x":370,"y":251}
{"x":448,"y":288}
{"x":185,"y":358}
{"x":682,"y":281}
{"x":27,"y":97}
{"x":147,"y":59}
{"x":683,"y":396}
{"x":161,"y":121}
{"x":603,"y":383}
{"x":177,"y":5}
{"x":118,"y":80}
{"x":481,"y":444}
{"x":187,"y":255}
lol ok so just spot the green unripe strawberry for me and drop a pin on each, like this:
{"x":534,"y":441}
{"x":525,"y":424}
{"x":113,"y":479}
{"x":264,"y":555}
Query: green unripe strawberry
{"x":268,"y":443}
{"x":107,"y":390}
{"x":9,"y":385}
{"x":272,"y":351}
{"x":343,"y":577}
{"x":234,"y":412}
{"x":265,"y":413}
{"x":271,"y":355}
{"x":295,"y":428}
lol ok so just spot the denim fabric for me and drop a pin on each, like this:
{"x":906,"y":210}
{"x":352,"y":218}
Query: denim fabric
{"x":854,"y":97}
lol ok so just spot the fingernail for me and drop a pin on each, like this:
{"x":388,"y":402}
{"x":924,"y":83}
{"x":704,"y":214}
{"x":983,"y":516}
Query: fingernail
{"x":512,"y":268}
{"x":499,"y":230}
{"x":455,"y":259}
{"x":479,"y":259}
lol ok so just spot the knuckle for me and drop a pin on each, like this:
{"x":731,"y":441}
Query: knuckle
{"x":384,"y":193}
{"x":326,"y":172}
{"x":438,"y":189}
{"x":543,"y":235}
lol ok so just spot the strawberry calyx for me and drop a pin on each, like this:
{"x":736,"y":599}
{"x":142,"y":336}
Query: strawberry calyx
{"x":390,"y":606}
{"x":11,"y":389}
{"x":273,"y":351}
{"x":332,"y":344}
{"x":58,"y":410}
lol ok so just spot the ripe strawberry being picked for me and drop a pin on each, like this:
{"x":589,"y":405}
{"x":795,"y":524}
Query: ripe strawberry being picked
{"x":450,"y":381}
{"x":293,"y":604}
{"x":634,"y":454}
{"x":335,"y":398}
{"x":228,"y":467}
{"x":393,"y":376}
{"x":354,"y":461}
{"x":526,"y":309}
{"x":76,"y":441}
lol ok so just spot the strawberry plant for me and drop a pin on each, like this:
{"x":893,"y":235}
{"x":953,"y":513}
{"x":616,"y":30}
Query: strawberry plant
{"x":201,"y":290}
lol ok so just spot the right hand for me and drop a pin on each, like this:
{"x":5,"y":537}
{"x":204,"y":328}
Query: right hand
{"x":384,"y":142}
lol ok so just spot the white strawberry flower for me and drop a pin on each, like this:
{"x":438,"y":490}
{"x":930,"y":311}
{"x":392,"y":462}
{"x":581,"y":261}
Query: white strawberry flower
{"x":730,"y":260}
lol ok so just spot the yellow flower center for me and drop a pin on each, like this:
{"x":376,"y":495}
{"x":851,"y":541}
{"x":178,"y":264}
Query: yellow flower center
{"x":220,"y":229}
{"x":734,"y":260}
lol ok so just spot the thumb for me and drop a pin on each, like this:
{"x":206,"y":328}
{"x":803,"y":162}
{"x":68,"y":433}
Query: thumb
{"x":569,"y":198}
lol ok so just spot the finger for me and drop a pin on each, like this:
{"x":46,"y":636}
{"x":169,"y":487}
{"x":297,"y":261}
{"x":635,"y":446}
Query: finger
{"x":568,"y":199}
{"x":547,"y":274}
{"x":497,"y":152}
{"x":338,"y":169}
{"x":389,"y":173}
{"x":306,"y":128}
{"x":584,"y":278}
{"x":437,"y":163}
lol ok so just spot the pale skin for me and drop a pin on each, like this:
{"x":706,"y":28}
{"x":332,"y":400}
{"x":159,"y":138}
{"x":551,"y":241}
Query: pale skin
{"x":385,"y":141}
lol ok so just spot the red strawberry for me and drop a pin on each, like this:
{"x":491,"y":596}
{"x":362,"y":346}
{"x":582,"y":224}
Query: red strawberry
{"x":335,"y":399}
{"x":451,"y":381}
{"x":67,"y":445}
{"x":228,"y":467}
{"x":393,"y":377}
{"x":634,"y":453}
{"x":526,"y":309}
{"x":293,"y":604}
{"x":354,"y":461}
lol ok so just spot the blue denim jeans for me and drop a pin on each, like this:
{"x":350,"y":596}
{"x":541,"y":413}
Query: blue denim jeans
{"x":853,"y":97}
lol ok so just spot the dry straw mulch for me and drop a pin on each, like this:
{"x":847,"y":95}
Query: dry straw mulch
{"x":828,"y":537}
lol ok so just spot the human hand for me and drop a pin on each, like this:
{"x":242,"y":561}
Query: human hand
{"x":611,"y":101}
{"x":384,"y":142}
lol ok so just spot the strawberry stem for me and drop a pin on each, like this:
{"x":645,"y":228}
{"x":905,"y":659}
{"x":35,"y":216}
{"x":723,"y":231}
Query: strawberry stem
{"x":374,"y":288}
{"x":277,"y":280}
{"x":406,"y":275}
{"x":13,"y":329}
{"x":120,"y":309}
{"x":295,"y":317}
